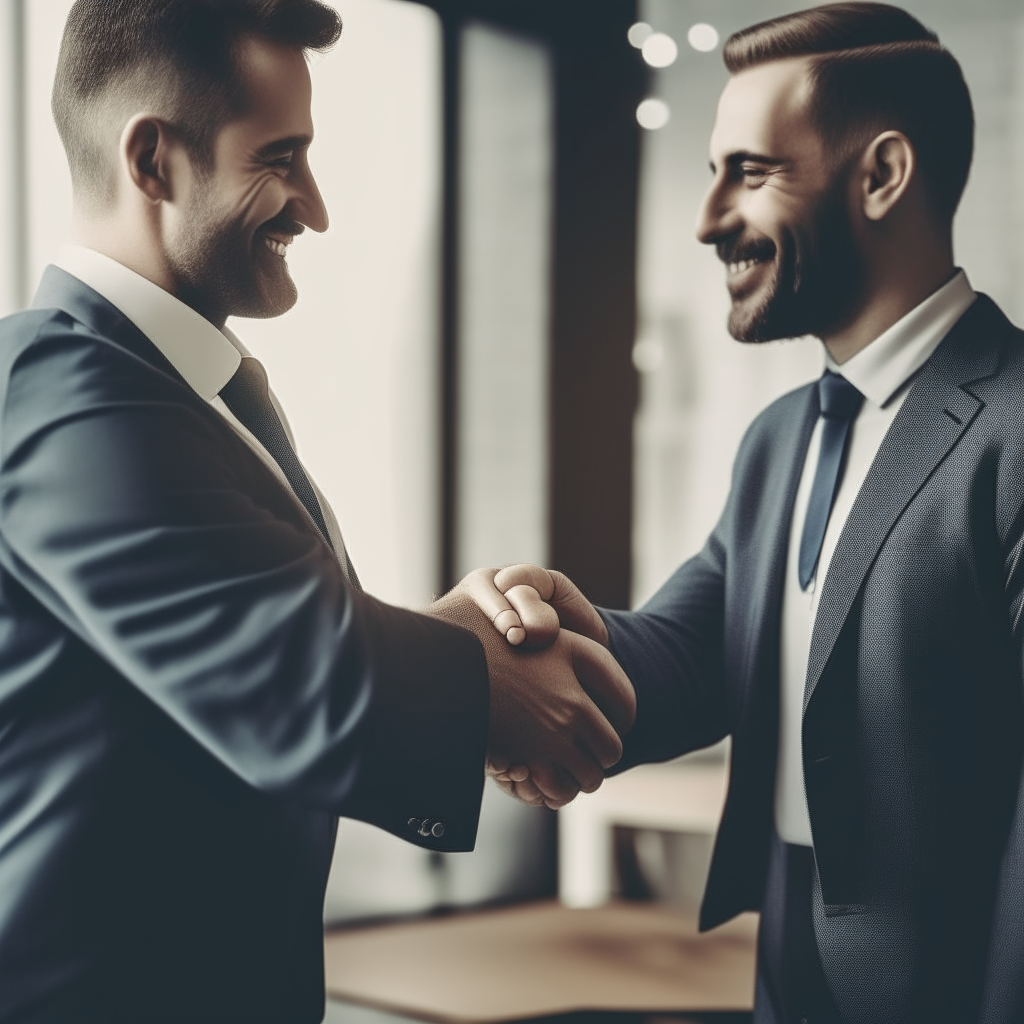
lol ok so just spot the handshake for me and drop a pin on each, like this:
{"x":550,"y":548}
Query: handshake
{"x":560,"y":702}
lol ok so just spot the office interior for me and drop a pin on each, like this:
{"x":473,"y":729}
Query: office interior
{"x":520,"y":349}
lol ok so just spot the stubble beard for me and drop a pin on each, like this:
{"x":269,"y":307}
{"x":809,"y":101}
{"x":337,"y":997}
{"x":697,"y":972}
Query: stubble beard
{"x":816,"y":282}
{"x":220,"y":274}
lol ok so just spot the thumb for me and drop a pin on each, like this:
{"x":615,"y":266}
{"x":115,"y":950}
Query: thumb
{"x":574,"y":611}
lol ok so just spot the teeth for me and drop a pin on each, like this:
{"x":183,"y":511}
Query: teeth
{"x":738,"y":268}
{"x":276,"y":247}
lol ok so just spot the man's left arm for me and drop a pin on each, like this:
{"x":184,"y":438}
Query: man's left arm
{"x":1003,"y":998}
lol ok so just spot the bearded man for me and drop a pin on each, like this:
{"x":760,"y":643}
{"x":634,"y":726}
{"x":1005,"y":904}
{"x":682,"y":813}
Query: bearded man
{"x":854,"y":621}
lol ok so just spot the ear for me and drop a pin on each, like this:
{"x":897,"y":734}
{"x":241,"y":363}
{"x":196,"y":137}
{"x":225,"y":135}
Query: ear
{"x":888,"y":167}
{"x":146,"y":156}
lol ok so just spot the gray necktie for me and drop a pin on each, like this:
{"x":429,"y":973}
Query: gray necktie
{"x":247,"y":395}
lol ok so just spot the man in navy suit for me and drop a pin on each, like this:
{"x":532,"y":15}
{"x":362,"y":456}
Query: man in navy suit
{"x":193,"y":685}
{"x":854,"y":620}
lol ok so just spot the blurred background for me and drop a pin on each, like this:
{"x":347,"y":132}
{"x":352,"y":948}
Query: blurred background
{"x":520,"y":347}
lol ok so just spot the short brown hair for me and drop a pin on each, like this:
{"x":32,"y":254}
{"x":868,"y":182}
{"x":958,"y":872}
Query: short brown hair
{"x":875,"y":67}
{"x":176,"y":54}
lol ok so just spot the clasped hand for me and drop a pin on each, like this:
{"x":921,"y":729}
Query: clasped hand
{"x":560,"y":702}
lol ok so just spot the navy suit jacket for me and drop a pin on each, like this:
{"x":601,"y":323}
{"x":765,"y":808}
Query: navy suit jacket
{"x":190,"y":694}
{"x":913,"y":727}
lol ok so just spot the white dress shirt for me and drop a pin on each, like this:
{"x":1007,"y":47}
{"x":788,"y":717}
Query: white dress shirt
{"x":204,"y":356}
{"x":882,"y":372}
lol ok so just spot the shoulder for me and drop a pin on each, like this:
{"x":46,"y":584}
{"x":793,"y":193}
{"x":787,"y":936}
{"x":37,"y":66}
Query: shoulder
{"x":997,"y":432}
{"x":55,"y":369}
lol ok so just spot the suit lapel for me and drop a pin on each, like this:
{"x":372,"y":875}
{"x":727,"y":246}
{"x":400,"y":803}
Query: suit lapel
{"x":934,"y":416}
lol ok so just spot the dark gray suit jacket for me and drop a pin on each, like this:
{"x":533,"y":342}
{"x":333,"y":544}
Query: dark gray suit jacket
{"x":914,"y":713}
{"x":189,"y":695}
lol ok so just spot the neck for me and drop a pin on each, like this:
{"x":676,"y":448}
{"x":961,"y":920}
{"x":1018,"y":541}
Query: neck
{"x":121,"y":240}
{"x":897,"y":282}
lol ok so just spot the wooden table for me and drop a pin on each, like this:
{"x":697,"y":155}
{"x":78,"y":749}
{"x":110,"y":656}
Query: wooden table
{"x":680,"y":796}
{"x":542,"y":959}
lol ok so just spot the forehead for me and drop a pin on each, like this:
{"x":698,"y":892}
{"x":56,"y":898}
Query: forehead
{"x":765,"y":109}
{"x":278,"y":89}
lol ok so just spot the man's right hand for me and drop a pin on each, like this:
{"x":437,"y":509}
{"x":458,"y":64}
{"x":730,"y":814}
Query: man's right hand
{"x":557,"y":712}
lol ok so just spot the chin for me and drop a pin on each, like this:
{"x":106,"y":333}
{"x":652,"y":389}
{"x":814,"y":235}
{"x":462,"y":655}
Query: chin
{"x":267,"y":300}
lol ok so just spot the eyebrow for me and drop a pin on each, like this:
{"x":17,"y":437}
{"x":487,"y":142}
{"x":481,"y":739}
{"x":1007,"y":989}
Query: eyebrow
{"x":745,"y":157}
{"x":281,"y":146}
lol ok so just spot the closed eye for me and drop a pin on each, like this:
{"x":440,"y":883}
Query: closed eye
{"x":756,"y":174}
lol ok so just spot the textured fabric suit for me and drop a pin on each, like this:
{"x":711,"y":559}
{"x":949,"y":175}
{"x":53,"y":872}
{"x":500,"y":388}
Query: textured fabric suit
{"x":190,"y":693}
{"x":913,"y":726}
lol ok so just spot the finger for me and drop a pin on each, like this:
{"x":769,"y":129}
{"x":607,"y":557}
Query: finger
{"x":605,"y":682}
{"x":518,"y":773}
{"x":538,"y":618}
{"x":507,"y":623}
{"x":555,"y":783}
{"x":528,"y":793}
{"x":525,"y":575}
{"x":496,"y":764}
{"x":525,"y":792}
{"x":491,"y":601}
{"x":575,"y":768}
{"x":575,"y":612}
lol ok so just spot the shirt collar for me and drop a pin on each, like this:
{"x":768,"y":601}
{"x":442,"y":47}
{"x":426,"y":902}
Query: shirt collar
{"x":204,"y":356}
{"x":880,"y":370}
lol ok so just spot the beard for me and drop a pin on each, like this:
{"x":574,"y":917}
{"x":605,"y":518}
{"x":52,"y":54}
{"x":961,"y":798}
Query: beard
{"x":223,"y":270}
{"x":816,"y":276}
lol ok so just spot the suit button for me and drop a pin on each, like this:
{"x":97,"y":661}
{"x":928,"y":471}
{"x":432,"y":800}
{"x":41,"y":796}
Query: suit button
{"x":414,"y":824}
{"x":438,"y":830}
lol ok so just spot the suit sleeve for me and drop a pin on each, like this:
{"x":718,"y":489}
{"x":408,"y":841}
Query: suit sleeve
{"x":1004,"y":983}
{"x":672,"y":651}
{"x":131,"y":516}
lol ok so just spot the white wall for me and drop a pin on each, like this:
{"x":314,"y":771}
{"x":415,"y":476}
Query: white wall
{"x":506,"y":181}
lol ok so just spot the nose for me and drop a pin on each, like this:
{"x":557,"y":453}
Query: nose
{"x":307,"y":205}
{"x":716,"y":218}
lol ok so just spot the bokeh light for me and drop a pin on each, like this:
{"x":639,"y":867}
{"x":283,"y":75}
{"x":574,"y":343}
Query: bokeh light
{"x":639,"y":33}
{"x":653,"y":114}
{"x":702,"y":36}
{"x":660,"y":50}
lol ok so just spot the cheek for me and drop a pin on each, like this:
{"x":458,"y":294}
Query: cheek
{"x":263,"y":200}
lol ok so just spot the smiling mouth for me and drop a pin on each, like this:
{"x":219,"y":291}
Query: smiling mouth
{"x":277,"y":246}
{"x":742,"y":266}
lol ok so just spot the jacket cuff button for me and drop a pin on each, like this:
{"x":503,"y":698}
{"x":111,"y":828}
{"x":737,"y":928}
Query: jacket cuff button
{"x":438,"y":830}
{"x":413,"y":824}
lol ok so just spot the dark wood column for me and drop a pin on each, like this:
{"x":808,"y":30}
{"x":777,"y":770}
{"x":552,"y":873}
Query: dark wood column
{"x":600,"y":79}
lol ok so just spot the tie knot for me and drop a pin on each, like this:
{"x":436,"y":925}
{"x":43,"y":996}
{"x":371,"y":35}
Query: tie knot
{"x":838,"y":398}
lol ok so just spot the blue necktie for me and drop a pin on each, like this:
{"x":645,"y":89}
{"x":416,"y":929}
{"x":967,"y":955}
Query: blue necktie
{"x":840,"y":402}
{"x":247,"y":395}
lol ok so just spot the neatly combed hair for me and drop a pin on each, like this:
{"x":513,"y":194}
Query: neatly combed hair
{"x":875,"y":68}
{"x":175,"y":58}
